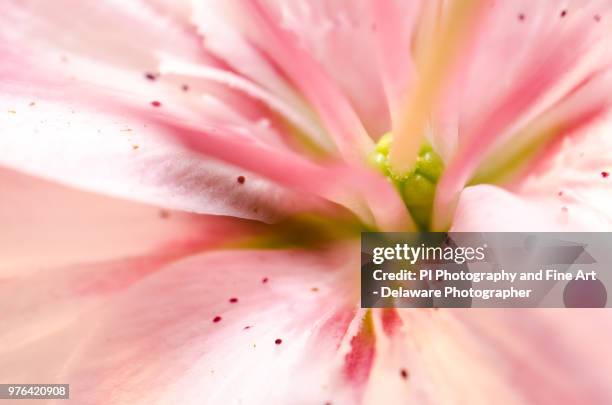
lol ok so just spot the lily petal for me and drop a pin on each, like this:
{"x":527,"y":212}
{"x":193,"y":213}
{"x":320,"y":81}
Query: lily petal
{"x":259,"y":23}
{"x":181,"y":326}
{"x":551,"y":56}
{"x":127,"y":156}
{"x":46,"y":226}
{"x":66,"y":109}
{"x":511,"y":356}
{"x":566,"y":189}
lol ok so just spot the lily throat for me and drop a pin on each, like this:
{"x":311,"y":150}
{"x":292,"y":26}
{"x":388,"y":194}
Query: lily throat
{"x":416,"y":187}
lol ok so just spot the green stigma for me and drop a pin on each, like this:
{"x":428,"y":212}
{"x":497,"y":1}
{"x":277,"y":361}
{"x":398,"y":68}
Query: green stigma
{"x":418,"y":186}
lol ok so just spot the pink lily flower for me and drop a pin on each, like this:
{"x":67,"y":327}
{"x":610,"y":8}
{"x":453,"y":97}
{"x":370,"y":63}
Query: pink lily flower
{"x":183,"y":185}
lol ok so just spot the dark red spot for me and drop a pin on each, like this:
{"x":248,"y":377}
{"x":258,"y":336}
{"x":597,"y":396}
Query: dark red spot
{"x":521,"y":17}
{"x":314,"y":289}
{"x":605,"y":175}
{"x":597,"y":17}
{"x":240,"y":179}
{"x":185,"y":87}
{"x":404,"y":373}
{"x":233,"y":300}
{"x":560,"y":193}
{"x":264,"y":280}
{"x":164,"y":214}
{"x":150,"y":76}
{"x":278,"y":341}
{"x":216,"y":319}
{"x":155,"y":103}
{"x":563,"y":13}
{"x":247,"y":327}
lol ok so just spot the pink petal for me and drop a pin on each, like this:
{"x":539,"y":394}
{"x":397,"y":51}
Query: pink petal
{"x":67,"y":109}
{"x":282,"y":46}
{"x":370,"y":196}
{"x":175,"y":333}
{"x":583,"y":106}
{"x":47,"y":226}
{"x":566,"y":190}
{"x":128,"y":156}
{"x":552,"y":55}
{"x":341,"y":37}
{"x":505,"y":356}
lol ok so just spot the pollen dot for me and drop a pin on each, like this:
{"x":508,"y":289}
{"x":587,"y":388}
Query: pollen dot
{"x":155,"y":103}
{"x":314,"y":289}
{"x":404,"y":373}
{"x":278,"y":341}
{"x":233,"y":300}
{"x":216,"y":319}
{"x":264,"y":280}
{"x":605,"y":175}
{"x":240,"y":179}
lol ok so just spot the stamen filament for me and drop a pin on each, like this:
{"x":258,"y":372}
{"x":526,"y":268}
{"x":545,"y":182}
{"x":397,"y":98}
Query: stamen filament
{"x":433,"y":68}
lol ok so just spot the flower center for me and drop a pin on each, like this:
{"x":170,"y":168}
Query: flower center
{"x":417,"y":187}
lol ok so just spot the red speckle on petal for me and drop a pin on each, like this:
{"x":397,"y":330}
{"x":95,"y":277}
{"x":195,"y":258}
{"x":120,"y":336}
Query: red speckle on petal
{"x":404,"y":373}
{"x":233,"y":300}
{"x":264,"y":280}
{"x":240,"y":179}
{"x":247,"y":327}
{"x":605,"y":175}
{"x":155,"y":103}
{"x":216,"y":319}
{"x":185,"y":87}
{"x":150,"y":76}
{"x":563,"y":13}
{"x":521,"y":17}
{"x":560,"y":193}
{"x":597,"y":17}
{"x":278,"y":341}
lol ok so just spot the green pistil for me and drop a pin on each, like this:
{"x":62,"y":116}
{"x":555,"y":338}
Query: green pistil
{"x":417,"y":187}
